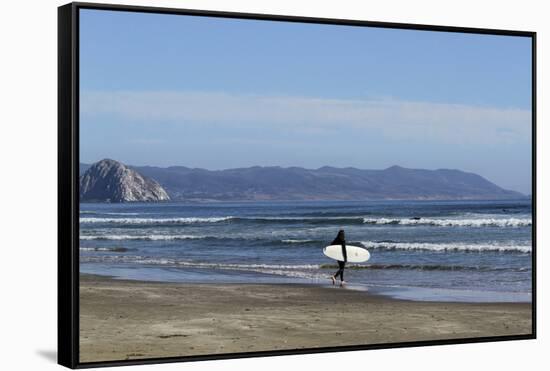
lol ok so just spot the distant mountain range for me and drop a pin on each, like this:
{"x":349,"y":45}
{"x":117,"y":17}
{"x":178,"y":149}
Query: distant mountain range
{"x":259,"y":183}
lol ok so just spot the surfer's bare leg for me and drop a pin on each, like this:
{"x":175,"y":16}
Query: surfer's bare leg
{"x":335,"y":276}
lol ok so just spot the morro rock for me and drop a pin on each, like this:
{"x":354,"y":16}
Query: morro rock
{"x":112,"y":181}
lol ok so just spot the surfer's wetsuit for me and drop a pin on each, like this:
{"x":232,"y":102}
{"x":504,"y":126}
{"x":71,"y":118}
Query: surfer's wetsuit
{"x":340,"y":240}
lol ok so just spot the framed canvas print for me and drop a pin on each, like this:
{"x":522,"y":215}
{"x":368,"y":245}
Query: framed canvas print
{"x":238,"y":185}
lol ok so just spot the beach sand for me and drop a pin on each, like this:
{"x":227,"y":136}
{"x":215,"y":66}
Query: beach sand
{"x":121,"y":319}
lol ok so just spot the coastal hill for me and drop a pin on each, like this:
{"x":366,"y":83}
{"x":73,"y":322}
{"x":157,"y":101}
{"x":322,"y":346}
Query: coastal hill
{"x":326,"y":183}
{"x":112,"y":181}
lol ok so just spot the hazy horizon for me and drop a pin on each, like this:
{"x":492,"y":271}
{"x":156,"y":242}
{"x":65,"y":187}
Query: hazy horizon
{"x":169,"y":90}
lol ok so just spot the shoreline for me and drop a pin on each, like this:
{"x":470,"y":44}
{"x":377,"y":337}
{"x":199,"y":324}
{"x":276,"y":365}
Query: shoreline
{"x":402,"y":293}
{"x":125,"y":319}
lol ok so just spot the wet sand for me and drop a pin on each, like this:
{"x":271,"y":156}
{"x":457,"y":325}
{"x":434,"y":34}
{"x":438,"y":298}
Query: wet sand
{"x":122,"y":319}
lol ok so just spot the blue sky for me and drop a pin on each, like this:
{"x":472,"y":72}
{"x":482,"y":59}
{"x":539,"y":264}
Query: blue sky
{"x":221,"y":93}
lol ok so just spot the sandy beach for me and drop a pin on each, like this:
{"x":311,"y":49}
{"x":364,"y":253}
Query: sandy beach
{"x":122,"y":319}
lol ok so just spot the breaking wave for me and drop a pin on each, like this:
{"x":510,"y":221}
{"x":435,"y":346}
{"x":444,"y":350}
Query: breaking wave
{"x":490,"y":247}
{"x":189,"y":220}
{"x":182,"y":237}
{"x":110,"y":249}
{"x":159,"y":237}
{"x":487,"y":222}
{"x":495,"y":246}
{"x":439,"y":222}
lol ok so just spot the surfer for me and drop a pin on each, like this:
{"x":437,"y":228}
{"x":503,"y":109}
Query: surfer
{"x":340,"y":240}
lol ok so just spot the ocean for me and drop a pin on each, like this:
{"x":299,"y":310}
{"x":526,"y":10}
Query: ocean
{"x":472,"y":251}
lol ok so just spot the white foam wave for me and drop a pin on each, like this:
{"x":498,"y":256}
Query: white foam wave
{"x":249,"y":266}
{"x":305,"y":218}
{"x":487,"y":247}
{"x":480,"y":222}
{"x":191,"y":264}
{"x":176,"y":237}
{"x":306,"y":271}
{"x":189,"y":220}
{"x":159,"y":237}
{"x":112,"y":249}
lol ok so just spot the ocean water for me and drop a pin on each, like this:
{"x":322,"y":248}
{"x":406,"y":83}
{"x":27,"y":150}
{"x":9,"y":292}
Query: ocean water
{"x":450,"y":251}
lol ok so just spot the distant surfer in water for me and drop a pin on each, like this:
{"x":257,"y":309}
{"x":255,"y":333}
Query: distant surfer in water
{"x":340,"y":240}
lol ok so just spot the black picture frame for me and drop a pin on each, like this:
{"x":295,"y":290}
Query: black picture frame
{"x":68,"y":175}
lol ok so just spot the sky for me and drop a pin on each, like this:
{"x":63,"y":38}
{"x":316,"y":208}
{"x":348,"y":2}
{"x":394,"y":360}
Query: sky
{"x":215,"y":93}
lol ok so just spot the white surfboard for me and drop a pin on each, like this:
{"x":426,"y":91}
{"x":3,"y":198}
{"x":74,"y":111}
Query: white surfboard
{"x":355,"y":254}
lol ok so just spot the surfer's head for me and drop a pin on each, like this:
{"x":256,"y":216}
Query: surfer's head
{"x":341,"y":234}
